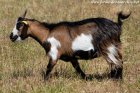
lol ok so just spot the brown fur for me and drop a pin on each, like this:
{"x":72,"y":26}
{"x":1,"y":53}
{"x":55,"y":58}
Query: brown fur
{"x":37,"y":30}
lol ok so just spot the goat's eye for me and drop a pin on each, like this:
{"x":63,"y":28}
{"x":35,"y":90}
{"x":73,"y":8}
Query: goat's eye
{"x":19,"y":25}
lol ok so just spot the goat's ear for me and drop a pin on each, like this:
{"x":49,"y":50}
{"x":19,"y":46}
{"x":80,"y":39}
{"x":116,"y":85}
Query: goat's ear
{"x":23,"y":16}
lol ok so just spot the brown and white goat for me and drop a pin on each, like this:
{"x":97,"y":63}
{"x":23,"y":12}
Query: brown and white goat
{"x":70,"y":41}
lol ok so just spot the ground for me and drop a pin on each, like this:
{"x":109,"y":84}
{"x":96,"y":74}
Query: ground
{"x":22,"y":63}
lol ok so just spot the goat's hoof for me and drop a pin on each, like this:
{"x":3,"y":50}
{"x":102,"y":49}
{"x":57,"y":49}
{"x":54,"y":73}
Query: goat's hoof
{"x":44,"y":76}
{"x":115,"y":76}
{"x":88,"y":77}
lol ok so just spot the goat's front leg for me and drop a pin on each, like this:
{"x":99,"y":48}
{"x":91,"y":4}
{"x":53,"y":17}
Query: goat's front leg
{"x":78,"y":69}
{"x":50,"y":66}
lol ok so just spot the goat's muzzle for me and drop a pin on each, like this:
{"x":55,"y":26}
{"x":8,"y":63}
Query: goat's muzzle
{"x":13,"y":37}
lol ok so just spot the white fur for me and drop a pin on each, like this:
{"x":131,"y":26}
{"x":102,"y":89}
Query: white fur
{"x":112,"y":53}
{"x":54,"y":47}
{"x":15,"y":32}
{"x":82,"y":42}
{"x":18,"y":39}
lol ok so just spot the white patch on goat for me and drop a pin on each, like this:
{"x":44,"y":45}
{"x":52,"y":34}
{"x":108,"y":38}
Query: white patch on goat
{"x":112,"y":53}
{"x":15,"y":32}
{"x":82,"y":42}
{"x":54,"y":47}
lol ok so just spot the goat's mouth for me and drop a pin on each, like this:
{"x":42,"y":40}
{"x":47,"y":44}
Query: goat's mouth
{"x":14,"y":38}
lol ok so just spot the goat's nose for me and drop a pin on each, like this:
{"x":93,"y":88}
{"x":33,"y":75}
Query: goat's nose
{"x":13,"y":37}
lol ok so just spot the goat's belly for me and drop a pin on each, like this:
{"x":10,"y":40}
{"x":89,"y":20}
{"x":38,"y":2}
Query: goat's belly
{"x":80,"y":54}
{"x":66,"y":58}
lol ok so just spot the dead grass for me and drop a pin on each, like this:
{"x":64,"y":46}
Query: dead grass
{"x":21,"y":64}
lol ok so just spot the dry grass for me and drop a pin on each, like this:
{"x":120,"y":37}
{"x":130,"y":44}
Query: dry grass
{"x":21,"y":64}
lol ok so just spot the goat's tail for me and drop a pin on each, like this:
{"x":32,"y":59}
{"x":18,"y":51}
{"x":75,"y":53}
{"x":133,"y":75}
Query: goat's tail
{"x":121,"y":17}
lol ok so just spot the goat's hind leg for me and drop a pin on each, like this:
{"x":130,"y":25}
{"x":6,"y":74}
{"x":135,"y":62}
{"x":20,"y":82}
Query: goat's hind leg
{"x":116,"y":72}
{"x":114,"y":58}
{"x":78,"y":69}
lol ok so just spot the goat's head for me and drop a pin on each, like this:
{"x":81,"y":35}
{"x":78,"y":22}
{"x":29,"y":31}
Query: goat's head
{"x":20,"y":31}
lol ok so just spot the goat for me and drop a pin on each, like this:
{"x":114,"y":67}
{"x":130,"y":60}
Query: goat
{"x":71,"y":41}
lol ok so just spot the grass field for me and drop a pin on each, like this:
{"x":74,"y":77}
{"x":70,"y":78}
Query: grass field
{"x":21,"y":63}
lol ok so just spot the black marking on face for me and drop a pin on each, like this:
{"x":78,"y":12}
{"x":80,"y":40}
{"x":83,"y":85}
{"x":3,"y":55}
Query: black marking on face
{"x":18,"y":25}
{"x":22,"y":30}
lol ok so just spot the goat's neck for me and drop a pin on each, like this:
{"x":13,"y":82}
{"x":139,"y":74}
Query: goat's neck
{"x":38,"y":32}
